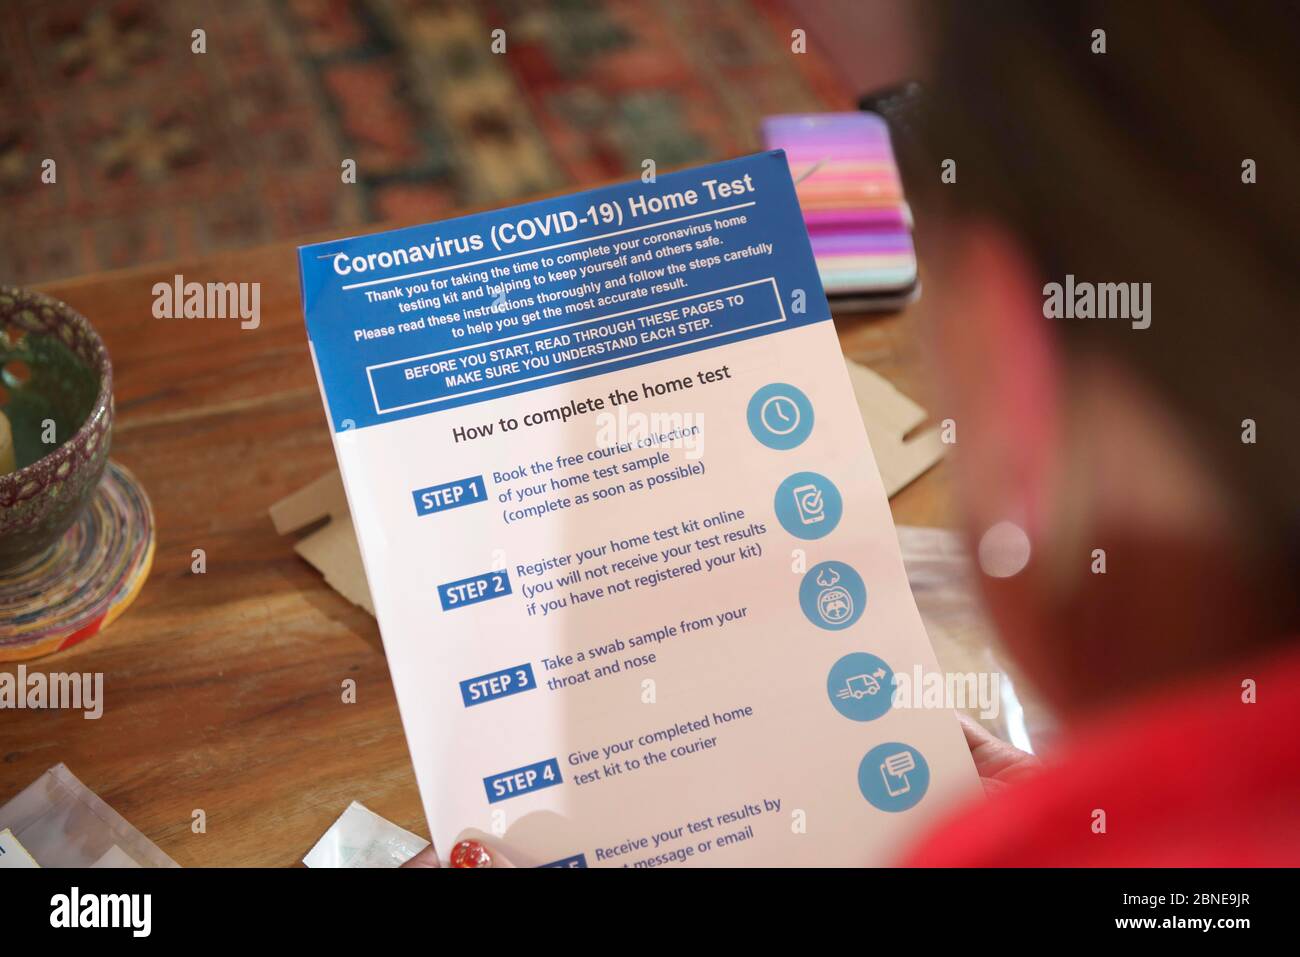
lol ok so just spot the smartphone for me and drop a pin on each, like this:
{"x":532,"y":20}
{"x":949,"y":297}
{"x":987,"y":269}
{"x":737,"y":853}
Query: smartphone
{"x":851,"y":195}
{"x":895,"y":784}
{"x":810,"y":503}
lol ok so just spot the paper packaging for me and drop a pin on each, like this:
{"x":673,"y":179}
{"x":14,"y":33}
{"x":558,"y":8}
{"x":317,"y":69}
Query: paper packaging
{"x":62,"y":823}
{"x":629,"y":404}
{"x":361,"y":838}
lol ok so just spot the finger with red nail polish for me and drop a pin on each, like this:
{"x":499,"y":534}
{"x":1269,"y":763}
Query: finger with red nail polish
{"x":470,"y":854}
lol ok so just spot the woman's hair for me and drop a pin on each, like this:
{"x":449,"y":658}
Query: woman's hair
{"x":1130,"y":166}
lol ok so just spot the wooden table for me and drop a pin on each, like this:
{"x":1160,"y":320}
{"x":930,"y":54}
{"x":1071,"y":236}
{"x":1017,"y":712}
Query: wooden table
{"x":223,"y":691}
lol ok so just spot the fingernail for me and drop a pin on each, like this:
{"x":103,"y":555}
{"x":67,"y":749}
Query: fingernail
{"x":470,"y":854}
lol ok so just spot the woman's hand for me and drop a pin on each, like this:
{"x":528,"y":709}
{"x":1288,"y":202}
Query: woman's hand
{"x":998,"y":763}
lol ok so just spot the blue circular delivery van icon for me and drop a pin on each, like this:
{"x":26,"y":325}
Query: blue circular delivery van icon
{"x":861,"y":686}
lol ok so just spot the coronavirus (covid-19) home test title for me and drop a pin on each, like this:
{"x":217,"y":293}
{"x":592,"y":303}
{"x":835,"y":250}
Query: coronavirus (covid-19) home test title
{"x":512,"y":233}
{"x":630,"y":554}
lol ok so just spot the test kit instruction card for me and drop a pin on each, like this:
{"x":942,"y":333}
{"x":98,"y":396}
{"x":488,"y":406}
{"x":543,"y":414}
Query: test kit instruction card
{"x":631,"y":557}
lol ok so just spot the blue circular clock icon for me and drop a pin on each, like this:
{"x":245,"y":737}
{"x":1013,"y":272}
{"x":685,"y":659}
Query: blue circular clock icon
{"x":780,"y":416}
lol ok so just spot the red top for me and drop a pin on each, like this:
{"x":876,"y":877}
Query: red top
{"x":1191,"y":776}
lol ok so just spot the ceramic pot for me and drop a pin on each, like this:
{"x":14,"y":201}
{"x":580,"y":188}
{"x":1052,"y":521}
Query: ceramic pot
{"x":56,"y":390}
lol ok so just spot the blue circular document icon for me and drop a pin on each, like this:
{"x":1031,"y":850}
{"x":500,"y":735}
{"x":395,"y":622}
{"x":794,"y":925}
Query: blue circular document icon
{"x":808,"y":505}
{"x":832,"y":595}
{"x":780,"y":416}
{"x":893,"y":777}
{"x":861,"y":686}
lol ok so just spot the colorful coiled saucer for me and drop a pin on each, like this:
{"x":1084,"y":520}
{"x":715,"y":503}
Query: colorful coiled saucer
{"x":87,"y":579}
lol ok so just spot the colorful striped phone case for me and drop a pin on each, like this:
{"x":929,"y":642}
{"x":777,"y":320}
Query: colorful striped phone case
{"x":852,"y":201}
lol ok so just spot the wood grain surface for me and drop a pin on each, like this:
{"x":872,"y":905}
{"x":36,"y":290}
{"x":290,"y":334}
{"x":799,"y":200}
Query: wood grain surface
{"x":223,"y":691}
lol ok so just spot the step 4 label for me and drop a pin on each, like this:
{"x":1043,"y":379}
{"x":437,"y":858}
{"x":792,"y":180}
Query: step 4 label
{"x":532,"y":777}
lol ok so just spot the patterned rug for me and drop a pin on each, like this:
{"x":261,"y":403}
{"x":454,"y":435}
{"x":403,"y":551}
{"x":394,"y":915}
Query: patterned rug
{"x":160,"y":152}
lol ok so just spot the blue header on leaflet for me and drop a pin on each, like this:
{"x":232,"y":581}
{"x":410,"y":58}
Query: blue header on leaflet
{"x":453,"y":313}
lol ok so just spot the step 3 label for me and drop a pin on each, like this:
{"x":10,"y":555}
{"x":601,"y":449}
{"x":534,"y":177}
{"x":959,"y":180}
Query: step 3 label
{"x":498,"y":684}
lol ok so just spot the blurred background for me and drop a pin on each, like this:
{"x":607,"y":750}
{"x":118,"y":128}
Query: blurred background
{"x":165,"y":154}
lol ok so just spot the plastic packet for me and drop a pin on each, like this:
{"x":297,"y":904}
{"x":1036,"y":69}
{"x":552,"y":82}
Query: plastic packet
{"x":943,"y":584}
{"x":62,"y":823}
{"x":361,"y":838}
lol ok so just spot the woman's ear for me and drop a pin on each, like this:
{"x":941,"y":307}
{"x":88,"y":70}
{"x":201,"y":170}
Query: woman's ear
{"x":1001,"y":379}
{"x":1000,"y":376}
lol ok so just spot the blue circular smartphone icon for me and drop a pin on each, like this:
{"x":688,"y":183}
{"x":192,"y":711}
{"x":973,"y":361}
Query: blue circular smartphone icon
{"x":780,"y":416}
{"x":893,"y":776}
{"x":808,"y":505}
